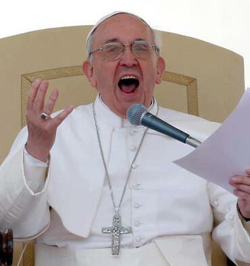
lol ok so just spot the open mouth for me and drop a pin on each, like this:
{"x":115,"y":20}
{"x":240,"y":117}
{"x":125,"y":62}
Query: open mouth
{"x":128,"y":84}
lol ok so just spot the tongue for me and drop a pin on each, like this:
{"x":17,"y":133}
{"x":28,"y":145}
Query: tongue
{"x":128,"y":88}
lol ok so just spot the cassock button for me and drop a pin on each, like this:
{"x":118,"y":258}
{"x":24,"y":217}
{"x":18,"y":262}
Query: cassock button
{"x":216,"y":203}
{"x":137,"y":205}
{"x":133,"y":148}
{"x":137,"y":223}
{"x":136,"y":186}
{"x":134,"y":166}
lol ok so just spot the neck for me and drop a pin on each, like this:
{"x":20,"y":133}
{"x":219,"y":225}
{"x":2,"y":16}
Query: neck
{"x":123,"y":115}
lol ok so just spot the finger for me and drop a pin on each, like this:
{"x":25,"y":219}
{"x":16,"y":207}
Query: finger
{"x":240,"y":180}
{"x":244,"y":188}
{"x":40,"y":96}
{"x":248,"y":171}
{"x":242,"y":203}
{"x":48,"y":109}
{"x":241,"y":194}
{"x":32,"y":93}
{"x":61,"y":116}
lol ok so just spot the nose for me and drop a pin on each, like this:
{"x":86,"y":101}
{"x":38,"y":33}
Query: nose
{"x":128,"y":59}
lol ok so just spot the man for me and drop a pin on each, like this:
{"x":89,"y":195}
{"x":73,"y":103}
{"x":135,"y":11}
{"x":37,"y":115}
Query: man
{"x":112,"y":195}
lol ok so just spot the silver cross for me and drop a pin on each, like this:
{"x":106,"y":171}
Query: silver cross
{"x":116,"y":230}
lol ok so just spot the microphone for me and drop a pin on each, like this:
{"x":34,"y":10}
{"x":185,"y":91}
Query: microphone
{"x":137,"y":114}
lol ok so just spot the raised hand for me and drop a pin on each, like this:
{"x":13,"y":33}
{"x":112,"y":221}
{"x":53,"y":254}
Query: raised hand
{"x":242,"y":191}
{"x":41,"y":130}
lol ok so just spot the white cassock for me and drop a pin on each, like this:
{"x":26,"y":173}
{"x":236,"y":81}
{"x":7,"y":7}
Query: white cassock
{"x":173,"y":213}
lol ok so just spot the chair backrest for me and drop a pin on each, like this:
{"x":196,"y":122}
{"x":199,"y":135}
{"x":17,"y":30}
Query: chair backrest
{"x":201,"y":78}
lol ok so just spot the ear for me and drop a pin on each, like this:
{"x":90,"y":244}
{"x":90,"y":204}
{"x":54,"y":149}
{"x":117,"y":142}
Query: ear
{"x":160,"y":69}
{"x":89,"y":72}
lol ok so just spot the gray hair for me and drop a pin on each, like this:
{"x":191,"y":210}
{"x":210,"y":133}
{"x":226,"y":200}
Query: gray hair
{"x":89,"y":39}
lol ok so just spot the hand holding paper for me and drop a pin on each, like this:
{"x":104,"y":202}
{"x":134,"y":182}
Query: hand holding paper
{"x":242,"y":191}
{"x":226,"y":154}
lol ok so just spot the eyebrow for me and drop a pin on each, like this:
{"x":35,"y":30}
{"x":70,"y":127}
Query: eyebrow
{"x":112,"y":40}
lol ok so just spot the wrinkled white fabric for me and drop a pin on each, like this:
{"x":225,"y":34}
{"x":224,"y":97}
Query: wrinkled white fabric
{"x":161,"y":200}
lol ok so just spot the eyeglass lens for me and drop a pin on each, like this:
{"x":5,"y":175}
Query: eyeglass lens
{"x":140,"y":49}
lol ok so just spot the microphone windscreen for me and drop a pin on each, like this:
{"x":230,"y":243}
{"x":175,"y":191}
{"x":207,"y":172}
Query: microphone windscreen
{"x":134,"y":113}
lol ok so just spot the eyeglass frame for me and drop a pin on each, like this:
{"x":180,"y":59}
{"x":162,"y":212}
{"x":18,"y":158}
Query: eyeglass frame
{"x":123,"y":50}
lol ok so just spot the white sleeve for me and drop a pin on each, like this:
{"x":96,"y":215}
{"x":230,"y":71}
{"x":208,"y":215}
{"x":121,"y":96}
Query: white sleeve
{"x":35,"y":172}
{"x":22,"y":209}
{"x":230,"y":232}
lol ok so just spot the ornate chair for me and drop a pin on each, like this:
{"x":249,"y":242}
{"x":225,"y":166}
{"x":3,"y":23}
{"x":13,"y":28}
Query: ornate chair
{"x":201,"y":79}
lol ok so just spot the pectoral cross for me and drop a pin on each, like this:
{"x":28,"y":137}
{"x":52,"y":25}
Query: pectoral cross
{"x":116,"y":230}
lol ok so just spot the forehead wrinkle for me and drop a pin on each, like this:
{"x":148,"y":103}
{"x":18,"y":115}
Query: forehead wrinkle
{"x":107,"y":28}
{"x":118,"y":41}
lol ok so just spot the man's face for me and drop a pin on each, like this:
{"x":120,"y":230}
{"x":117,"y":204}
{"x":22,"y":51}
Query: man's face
{"x":127,"y":80}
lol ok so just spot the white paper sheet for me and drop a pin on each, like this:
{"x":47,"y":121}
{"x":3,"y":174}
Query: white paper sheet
{"x":226,"y":152}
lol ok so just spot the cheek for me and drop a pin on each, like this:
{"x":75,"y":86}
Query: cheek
{"x":104,"y":85}
{"x":104,"y":76}
{"x":151,"y":78}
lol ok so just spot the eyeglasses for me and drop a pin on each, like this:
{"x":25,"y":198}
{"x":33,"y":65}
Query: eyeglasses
{"x":115,"y":50}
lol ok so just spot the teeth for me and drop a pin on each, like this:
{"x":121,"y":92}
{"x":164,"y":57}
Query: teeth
{"x":128,"y":77}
